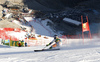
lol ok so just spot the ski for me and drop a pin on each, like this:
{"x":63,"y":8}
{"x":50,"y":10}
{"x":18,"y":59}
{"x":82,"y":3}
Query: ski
{"x":45,"y":50}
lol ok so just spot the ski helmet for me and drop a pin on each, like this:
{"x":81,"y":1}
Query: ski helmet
{"x":55,"y":36}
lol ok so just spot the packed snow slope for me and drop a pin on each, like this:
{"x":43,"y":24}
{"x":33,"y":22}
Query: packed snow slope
{"x":89,"y":51}
{"x":72,"y":50}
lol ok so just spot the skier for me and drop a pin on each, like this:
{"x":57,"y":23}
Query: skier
{"x":25,"y":44}
{"x":19,"y":44}
{"x":3,"y":12}
{"x":22,"y":43}
{"x":57,"y":43}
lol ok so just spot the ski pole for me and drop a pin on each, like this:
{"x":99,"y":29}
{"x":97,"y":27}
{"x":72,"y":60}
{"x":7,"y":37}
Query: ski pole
{"x":44,"y":47}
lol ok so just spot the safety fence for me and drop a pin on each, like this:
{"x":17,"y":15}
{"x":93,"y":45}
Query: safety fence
{"x":12,"y":43}
{"x":79,"y":36}
{"x":4,"y":33}
{"x":40,"y":40}
{"x":8,"y":36}
{"x":66,"y":39}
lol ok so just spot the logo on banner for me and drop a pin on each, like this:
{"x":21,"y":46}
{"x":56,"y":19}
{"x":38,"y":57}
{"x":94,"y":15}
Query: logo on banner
{"x":85,"y":27}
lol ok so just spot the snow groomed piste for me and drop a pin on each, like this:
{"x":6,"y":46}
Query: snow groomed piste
{"x":46,"y":50}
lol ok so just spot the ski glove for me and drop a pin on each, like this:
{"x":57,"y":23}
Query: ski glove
{"x":47,"y":45}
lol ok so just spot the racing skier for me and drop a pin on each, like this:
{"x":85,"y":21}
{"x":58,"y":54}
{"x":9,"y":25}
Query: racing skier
{"x":57,"y":43}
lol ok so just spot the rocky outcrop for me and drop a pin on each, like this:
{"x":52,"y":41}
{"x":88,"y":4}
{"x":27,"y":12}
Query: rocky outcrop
{"x":2,"y":1}
{"x":14,"y":1}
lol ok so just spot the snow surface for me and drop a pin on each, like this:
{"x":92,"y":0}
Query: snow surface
{"x":88,"y":51}
{"x":28,"y":19}
{"x":41,"y":28}
{"x":72,"y":21}
{"x":72,"y":50}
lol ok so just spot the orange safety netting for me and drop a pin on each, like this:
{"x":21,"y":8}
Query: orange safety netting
{"x":4,"y":34}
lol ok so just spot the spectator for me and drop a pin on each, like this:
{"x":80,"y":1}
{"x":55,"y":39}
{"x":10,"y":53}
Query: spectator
{"x":19,"y":44}
{"x":22,"y":43}
{"x":3,"y":11}
{"x":25,"y":44}
{"x":3,"y":14}
{"x":23,"y":9}
{"x":27,"y":35}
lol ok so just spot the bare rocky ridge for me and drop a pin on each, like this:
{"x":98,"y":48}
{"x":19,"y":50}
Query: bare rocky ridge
{"x":13,"y":1}
{"x":8,"y":24}
{"x":1,"y":8}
